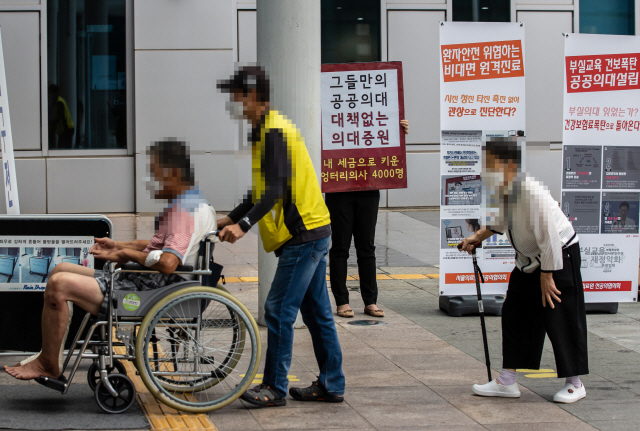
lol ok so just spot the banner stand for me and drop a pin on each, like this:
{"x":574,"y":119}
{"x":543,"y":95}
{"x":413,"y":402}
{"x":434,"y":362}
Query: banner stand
{"x":482,"y":98}
{"x":463,"y":305}
{"x":601,"y":307}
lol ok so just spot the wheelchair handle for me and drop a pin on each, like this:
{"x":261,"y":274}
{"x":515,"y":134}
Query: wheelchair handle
{"x":213,"y":232}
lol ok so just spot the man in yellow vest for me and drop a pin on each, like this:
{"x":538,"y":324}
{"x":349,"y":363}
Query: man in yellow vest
{"x":286,"y":202}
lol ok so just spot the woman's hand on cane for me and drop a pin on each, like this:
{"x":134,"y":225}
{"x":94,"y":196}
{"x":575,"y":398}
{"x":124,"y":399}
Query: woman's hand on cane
{"x":469,"y":244}
{"x":549,"y":289}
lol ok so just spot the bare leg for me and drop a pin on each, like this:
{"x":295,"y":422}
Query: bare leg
{"x":62,"y":267}
{"x":73,"y":268}
{"x":62,"y":287}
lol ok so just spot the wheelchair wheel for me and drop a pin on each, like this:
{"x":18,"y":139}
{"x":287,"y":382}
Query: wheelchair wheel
{"x":189,"y":349}
{"x":126,"y":394}
{"x":93,"y":374}
{"x":231,"y":355}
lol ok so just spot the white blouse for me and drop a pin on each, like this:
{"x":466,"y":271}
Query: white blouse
{"x":535,"y":224}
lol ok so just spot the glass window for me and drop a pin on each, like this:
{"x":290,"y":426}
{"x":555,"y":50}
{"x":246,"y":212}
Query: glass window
{"x":482,"y":10}
{"x":607,"y":17}
{"x":350,"y":30}
{"x":86,"y":56}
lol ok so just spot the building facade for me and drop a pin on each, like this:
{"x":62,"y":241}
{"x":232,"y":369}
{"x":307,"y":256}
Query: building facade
{"x":92,"y":82}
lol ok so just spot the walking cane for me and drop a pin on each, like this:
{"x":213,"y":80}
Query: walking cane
{"x":478,"y":277}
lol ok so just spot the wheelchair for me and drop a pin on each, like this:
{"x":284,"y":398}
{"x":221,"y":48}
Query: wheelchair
{"x":195,"y":347}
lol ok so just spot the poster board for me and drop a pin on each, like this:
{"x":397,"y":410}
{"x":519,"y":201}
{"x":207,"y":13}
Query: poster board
{"x":601,"y":160}
{"x":21,"y":306}
{"x":26,"y":261}
{"x":363,"y":145}
{"x":482,"y":97}
{"x":6,"y":144}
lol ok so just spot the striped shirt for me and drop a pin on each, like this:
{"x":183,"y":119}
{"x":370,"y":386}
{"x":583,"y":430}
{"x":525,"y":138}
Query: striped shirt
{"x":535,"y":224}
{"x":182,"y":225}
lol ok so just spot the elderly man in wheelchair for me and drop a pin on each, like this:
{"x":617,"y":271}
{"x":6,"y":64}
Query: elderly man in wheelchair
{"x":160,"y":300}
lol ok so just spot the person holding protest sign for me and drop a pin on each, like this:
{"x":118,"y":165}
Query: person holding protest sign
{"x":545,"y":293}
{"x":354,"y":215}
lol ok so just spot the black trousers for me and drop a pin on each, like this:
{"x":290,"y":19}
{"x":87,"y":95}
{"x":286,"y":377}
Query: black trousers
{"x":525,"y":321}
{"x":353,"y":214}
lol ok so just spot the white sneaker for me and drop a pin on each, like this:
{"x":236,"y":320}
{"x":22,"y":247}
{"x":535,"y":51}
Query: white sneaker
{"x":570,"y":394}
{"x":495,"y":389}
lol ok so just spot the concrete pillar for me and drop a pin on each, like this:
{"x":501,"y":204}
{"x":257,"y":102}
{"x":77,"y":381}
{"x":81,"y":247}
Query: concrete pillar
{"x":289,"y":50}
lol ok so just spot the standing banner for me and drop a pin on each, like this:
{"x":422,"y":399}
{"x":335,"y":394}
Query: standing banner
{"x":482,"y":97}
{"x":363,"y":144}
{"x":601,"y":161}
{"x":8,"y":164}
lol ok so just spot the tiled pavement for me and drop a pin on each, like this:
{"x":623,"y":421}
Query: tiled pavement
{"x":416,"y":371}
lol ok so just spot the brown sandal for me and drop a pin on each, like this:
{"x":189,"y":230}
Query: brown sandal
{"x":374,"y":313}
{"x":345,"y":313}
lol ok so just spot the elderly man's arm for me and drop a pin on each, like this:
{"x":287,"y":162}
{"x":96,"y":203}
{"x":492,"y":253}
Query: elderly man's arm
{"x":109,"y":245}
{"x":167,"y":264}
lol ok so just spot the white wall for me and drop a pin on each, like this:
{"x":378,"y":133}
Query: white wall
{"x":413,"y":39}
{"x":544,"y":71}
{"x":177,"y":68}
{"x":31,"y":176}
{"x":21,"y":48}
{"x":89,"y":185}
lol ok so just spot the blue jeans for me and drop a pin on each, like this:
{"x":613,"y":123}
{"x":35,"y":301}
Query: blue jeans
{"x":300,"y":283}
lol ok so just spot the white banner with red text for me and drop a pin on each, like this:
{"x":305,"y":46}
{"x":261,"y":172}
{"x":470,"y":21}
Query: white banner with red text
{"x":601,"y":161}
{"x":482,"y":97}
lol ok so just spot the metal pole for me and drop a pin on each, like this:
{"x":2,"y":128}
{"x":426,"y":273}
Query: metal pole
{"x":289,"y":50}
{"x":478,"y":277}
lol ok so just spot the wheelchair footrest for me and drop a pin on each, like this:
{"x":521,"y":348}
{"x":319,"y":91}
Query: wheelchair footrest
{"x":60,"y":384}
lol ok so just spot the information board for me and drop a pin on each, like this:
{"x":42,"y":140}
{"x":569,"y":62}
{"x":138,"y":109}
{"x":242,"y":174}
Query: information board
{"x":601,"y":161}
{"x":21,"y":306}
{"x":27,"y":261}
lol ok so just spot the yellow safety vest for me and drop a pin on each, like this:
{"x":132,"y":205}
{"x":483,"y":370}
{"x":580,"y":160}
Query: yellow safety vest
{"x":304,"y":189}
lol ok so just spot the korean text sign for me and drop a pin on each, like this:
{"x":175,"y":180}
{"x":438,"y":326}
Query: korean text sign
{"x":6,"y":144}
{"x":482,"y":96}
{"x":482,"y":75}
{"x":363,"y":146}
{"x":27,"y":261}
{"x":601,"y":161}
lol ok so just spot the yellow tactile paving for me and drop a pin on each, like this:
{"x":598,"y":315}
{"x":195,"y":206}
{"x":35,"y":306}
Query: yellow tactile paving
{"x":542,"y":376}
{"x":259,"y":377}
{"x":247,"y":279}
{"x":350,"y":277}
{"x":160,"y":416}
{"x":232,"y":280}
{"x":407,"y":276}
{"x":538,"y":374}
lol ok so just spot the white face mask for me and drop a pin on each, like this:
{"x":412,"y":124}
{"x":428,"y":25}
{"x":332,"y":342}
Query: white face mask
{"x":153,"y":186}
{"x":235,"y":109}
{"x":493,"y":180}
